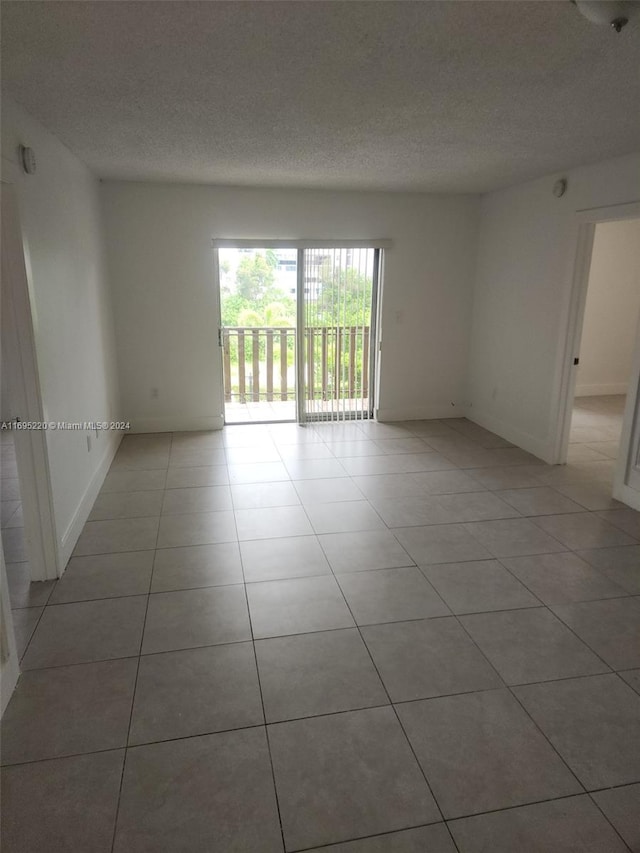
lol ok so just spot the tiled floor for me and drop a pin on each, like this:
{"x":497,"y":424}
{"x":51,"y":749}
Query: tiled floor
{"x":596,"y":425}
{"x":358,"y":638}
{"x":251,"y":412}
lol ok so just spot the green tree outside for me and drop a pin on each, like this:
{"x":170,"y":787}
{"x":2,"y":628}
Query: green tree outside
{"x":254,"y":300}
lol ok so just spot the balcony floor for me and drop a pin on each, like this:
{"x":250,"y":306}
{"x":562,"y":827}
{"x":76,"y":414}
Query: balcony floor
{"x":262,"y":412}
{"x":279,"y":411}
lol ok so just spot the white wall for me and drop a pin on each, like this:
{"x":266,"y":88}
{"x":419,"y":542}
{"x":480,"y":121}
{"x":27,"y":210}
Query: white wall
{"x":73,"y":322}
{"x":160,"y":263}
{"x":612,"y":310}
{"x":526,"y":255}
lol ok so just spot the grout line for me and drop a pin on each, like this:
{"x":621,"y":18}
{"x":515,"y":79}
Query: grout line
{"x":585,"y":792}
{"x":384,"y":687}
{"x":66,"y":755}
{"x":623,"y":593}
{"x":264,"y":716}
{"x":513,"y":694}
{"x":388,"y":833}
{"x":135,"y":683}
{"x":331,"y":630}
{"x":33,"y":633}
{"x":580,"y":639}
{"x":298,"y":633}
{"x":611,"y":824}
{"x":535,"y":803}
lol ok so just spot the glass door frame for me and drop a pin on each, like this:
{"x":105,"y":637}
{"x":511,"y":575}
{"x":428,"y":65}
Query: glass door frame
{"x":218,"y":244}
{"x":379,"y":246}
{"x":374,"y":343}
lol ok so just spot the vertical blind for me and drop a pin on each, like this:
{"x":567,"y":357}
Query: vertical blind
{"x":338,"y":306}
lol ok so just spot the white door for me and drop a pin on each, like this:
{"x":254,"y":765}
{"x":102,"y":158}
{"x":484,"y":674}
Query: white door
{"x":21,"y":371}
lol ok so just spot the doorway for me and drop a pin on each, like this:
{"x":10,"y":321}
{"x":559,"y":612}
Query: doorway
{"x":297,"y":331}
{"x":607,"y":342}
{"x":598,"y":411}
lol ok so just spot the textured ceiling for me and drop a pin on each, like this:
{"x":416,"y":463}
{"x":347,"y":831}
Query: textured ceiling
{"x":439,"y":96}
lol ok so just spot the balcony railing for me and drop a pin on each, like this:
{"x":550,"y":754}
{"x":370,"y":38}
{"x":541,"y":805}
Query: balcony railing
{"x":259,"y":363}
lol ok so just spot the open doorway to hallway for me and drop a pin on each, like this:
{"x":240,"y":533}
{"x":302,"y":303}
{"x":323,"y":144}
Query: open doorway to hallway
{"x":596,"y":426}
{"x":607,"y":346}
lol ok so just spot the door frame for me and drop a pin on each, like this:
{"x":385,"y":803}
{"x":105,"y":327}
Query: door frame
{"x":22,"y":371}
{"x":220,"y":243}
{"x":301,"y":415}
{"x":624,"y":491}
{"x":375,"y":336}
{"x":9,"y":664}
{"x":586,"y":221}
{"x":374,"y":341}
{"x":218,"y":303}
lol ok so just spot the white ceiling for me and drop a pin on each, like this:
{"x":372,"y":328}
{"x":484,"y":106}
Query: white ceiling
{"x":439,"y":96}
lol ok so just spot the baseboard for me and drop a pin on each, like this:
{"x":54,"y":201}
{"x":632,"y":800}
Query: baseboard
{"x":601,"y":390}
{"x":542,"y":449}
{"x":627,"y":496}
{"x":80,"y":516}
{"x":422,"y":413}
{"x":176,"y":424}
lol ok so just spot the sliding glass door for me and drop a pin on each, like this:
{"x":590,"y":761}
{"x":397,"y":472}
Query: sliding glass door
{"x":337,"y":290}
{"x":258,"y":317}
{"x":297,"y":331}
